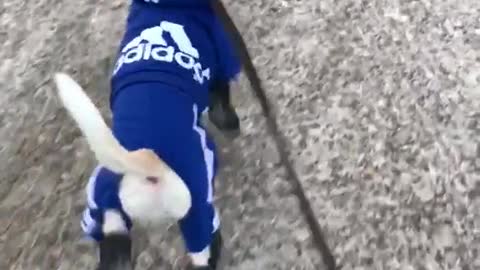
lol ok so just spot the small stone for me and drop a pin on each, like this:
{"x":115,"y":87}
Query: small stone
{"x":444,"y":237}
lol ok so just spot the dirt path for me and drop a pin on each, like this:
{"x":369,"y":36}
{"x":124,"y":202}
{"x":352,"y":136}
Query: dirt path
{"x":378,"y":101}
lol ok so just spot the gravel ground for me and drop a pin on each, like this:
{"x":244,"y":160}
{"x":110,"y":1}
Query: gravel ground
{"x":380,"y":103}
{"x":378,"y":100}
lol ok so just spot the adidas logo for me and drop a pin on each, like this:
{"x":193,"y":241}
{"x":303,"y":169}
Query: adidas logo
{"x":151,"y":45}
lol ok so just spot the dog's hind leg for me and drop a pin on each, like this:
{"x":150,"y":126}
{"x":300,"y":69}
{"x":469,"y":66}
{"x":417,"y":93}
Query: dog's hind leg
{"x":116,"y":245}
{"x":105,"y":221}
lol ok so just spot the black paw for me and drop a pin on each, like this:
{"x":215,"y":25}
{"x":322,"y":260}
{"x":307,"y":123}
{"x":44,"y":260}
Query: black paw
{"x":215,"y":254}
{"x":215,"y":249}
{"x":191,"y":267}
{"x":221,"y":113}
{"x":224,"y":118}
{"x":115,"y":253}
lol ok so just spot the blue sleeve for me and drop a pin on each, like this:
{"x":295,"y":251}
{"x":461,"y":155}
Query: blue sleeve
{"x":229,"y":63}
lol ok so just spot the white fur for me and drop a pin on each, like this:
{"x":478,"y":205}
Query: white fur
{"x":143,"y":201}
{"x":200,"y":258}
{"x":113,"y":222}
{"x":106,"y":148}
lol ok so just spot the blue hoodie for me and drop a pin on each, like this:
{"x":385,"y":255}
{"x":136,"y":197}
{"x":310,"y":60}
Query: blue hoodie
{"x":180,"y":43}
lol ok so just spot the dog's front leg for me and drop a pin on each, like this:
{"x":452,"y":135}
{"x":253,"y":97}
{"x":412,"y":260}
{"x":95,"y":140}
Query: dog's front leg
{"x":221,"y":112}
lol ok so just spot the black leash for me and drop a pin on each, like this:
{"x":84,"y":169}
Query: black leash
{"x":256,"y":85}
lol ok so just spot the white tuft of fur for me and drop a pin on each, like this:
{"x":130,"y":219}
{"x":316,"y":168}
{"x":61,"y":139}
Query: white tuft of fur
{"x":155,"y":204}
{"x":144,"y":201}
{"x":113,"y":223}
{"x":200,"y":258}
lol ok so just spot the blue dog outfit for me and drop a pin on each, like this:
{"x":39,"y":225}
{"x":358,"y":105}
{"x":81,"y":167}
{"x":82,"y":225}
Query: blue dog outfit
{"x":172,"y":52}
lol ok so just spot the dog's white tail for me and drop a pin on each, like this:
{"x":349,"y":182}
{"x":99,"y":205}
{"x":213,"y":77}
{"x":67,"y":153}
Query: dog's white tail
{"x":107,"y":149}
{"x":169,"y":198}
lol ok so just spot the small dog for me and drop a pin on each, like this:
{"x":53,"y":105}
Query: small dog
{"x":147,"y":182}
{"x":157,"y":163}
{"x":150,"y":191}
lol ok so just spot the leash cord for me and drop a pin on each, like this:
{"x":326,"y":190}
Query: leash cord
{"x":280,"y":141}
